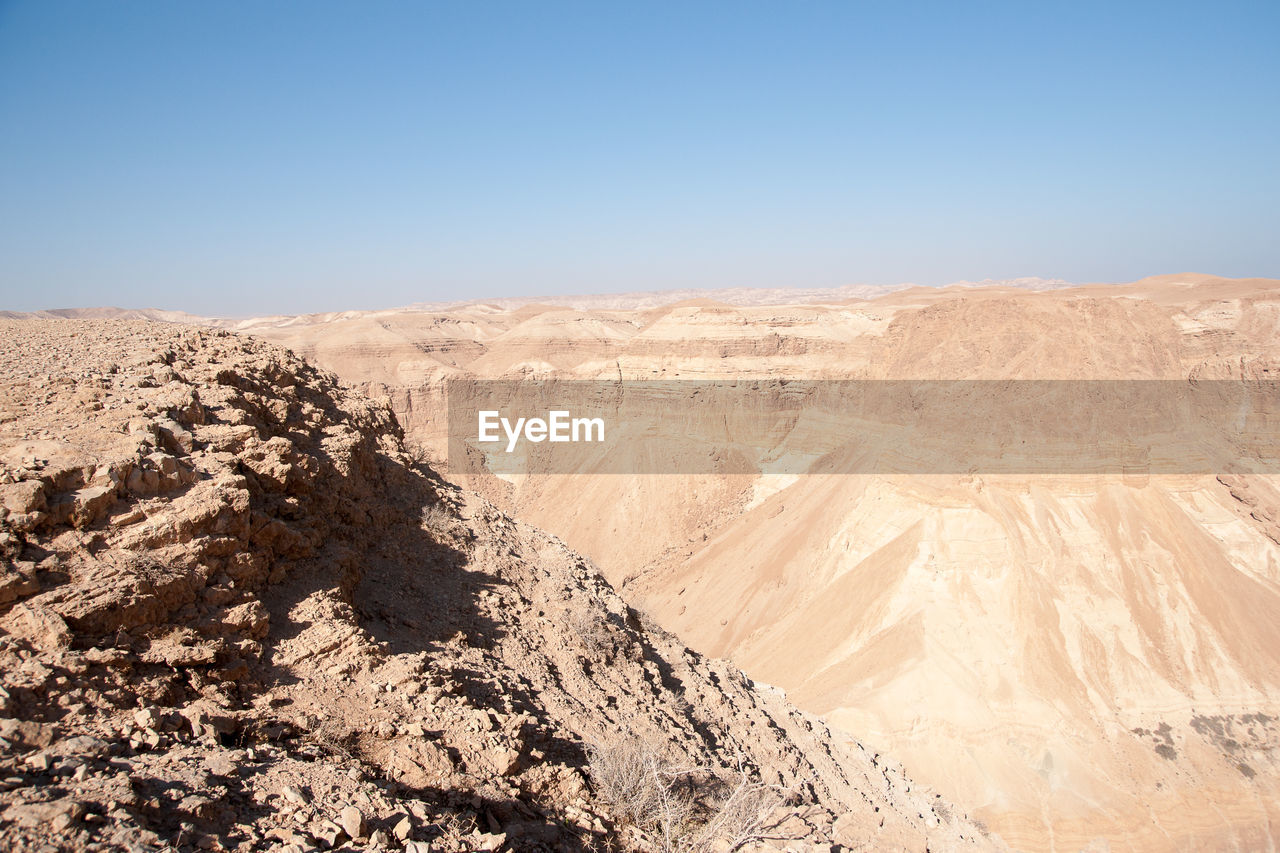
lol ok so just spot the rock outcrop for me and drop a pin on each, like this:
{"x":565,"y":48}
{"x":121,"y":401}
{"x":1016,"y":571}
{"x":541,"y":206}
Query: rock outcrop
{"x":235,"y":614}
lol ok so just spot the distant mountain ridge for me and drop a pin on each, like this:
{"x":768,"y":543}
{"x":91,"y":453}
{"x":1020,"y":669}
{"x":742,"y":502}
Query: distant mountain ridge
{"x":108,"y":313}
{"x":639,"y":300}
{"x":635,"y":300}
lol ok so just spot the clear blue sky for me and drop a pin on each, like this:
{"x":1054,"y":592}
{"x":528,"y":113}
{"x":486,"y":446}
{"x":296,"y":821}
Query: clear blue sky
{"x":237,"y":157}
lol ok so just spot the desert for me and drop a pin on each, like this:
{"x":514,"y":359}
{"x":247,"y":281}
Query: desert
{"x":562,"y":427}
{"x":249,"y":602}
{"x":246,"y":596}
{"x":1072,"y":656}
{"x":240,"y":614}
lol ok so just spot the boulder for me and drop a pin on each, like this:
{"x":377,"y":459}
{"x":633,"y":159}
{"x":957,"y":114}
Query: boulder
{"x":351,"y":820}
{"x":39,"y":626}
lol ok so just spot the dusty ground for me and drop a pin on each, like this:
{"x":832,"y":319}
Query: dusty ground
{"x":236,"y":615}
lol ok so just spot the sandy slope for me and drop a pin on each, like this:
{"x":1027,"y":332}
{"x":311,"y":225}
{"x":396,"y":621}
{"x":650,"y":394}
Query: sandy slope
{"x":236,"y":615}
{"x":1079,"y":661}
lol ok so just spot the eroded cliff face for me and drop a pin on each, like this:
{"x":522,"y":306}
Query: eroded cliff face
{"x":235,"y":615}
{"x":1079,"y":660}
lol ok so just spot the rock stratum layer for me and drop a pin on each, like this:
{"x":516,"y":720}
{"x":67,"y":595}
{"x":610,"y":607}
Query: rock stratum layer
{"x":1082,"y":662}
{"x":236,"y":615}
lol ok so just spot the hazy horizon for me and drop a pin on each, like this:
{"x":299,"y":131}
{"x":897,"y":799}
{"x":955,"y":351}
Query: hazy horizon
{"x":236,"y":160}
{"x":528,"y":298}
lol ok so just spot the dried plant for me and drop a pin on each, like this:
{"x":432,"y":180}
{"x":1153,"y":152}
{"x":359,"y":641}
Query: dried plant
{"x":437,"y":520}
{"x":593,"y":631}
{"x":682,"y":810}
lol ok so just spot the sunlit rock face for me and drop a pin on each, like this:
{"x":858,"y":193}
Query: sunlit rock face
{"x":1078,"y":660}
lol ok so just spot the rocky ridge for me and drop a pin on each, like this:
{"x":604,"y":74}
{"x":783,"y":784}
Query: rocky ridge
{"x":235,"y":614}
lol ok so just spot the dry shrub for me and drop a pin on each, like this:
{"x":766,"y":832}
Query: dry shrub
{"x":332,"y":737}
{"x":743,"y":815}
{"x":602,"y":639}
{"x":422,"y":457}
{"x":593,"y":632}
{"x":453,"y":828}
{"x":624,"y":774}
{"x":438,"y":521}
{"x":682,"y":810}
